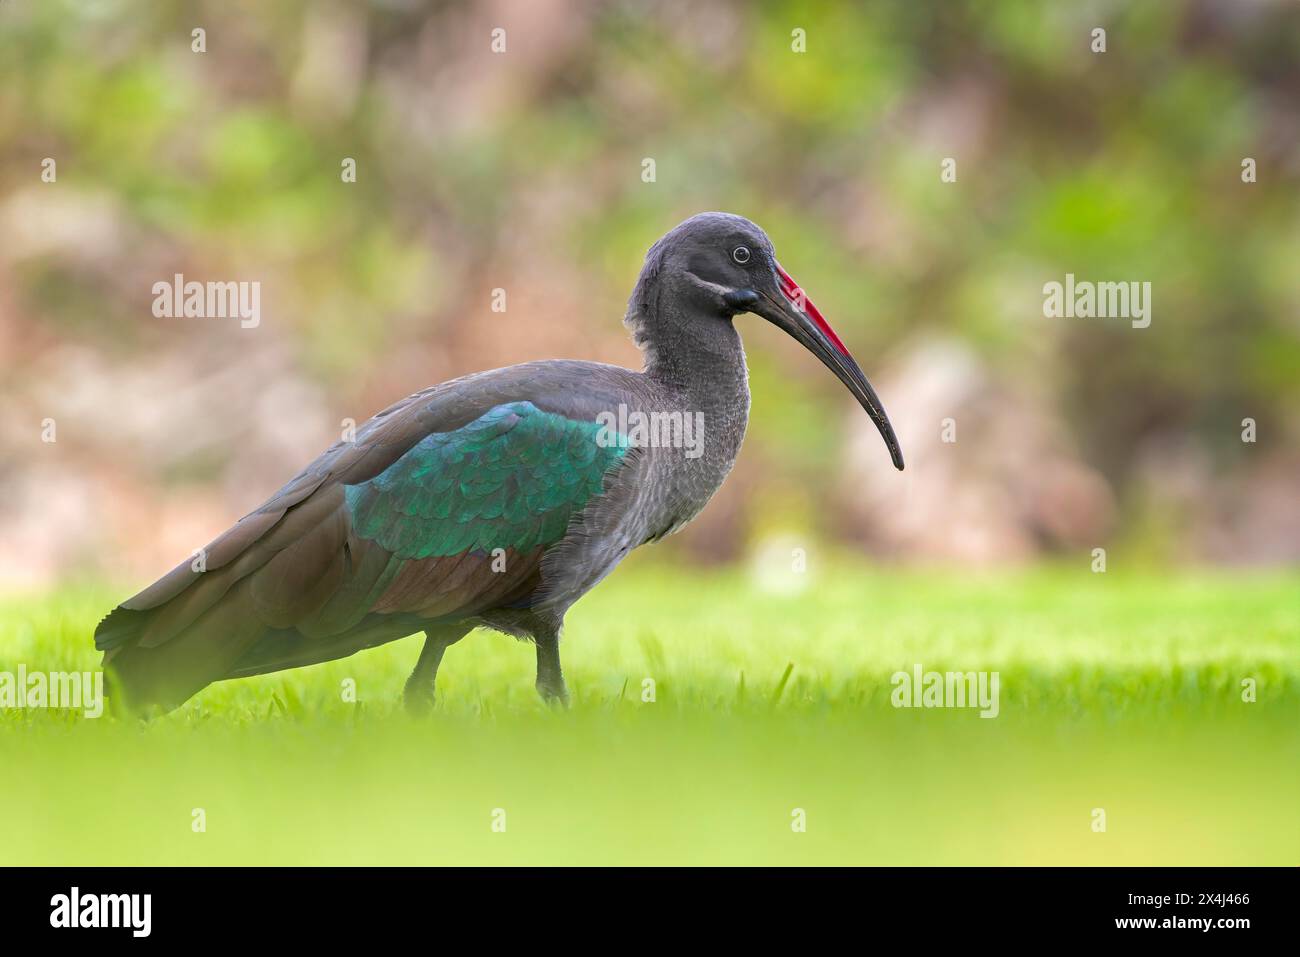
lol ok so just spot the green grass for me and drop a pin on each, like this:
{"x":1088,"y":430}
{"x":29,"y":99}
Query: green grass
{"x":1117,"y":692}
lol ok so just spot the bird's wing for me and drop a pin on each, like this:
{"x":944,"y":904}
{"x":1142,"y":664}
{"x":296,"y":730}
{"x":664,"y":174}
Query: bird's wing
{"x":503,"y":487}
{"x":441,"y":508}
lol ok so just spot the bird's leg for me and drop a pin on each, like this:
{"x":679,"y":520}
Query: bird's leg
{"x":418,"y":694}
{"x":550,"y":680}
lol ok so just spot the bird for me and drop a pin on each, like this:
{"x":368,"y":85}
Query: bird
{"x":495,"y":500}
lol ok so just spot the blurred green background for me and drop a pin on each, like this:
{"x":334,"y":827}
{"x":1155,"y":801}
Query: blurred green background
{"x":522,"y":171}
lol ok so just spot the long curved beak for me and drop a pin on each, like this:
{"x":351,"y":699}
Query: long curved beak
{"x":794,"y":312}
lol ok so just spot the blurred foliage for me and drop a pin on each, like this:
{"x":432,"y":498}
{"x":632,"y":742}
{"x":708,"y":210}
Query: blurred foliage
{"x":522,"y":171}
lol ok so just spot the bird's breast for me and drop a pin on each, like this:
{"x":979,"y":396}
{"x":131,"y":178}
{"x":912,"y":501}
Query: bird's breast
{"x":680,"y":452}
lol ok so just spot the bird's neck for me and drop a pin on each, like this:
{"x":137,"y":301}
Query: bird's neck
{"x":697,"y":368}
{"x":701,"y":360}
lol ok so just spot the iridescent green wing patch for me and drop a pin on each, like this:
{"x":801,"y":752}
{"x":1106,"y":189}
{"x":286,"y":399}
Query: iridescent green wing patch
{"x":512,"y":478}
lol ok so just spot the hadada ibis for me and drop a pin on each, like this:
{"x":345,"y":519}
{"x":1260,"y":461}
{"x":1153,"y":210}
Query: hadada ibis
{"x":496,"y":499}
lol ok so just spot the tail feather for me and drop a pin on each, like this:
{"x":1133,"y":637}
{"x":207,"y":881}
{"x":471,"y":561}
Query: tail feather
{"x":166,"y":675}
{"x":119,"y":626}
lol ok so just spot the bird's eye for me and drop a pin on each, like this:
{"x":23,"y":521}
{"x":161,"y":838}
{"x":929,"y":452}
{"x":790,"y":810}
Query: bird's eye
{"x":740,"y":254}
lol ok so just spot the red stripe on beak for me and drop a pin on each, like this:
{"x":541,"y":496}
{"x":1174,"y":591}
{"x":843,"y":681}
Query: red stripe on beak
{"x":791,"y":290}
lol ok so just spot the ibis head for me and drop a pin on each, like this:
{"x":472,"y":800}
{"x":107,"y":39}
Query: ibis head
{"x":719,"y":265}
